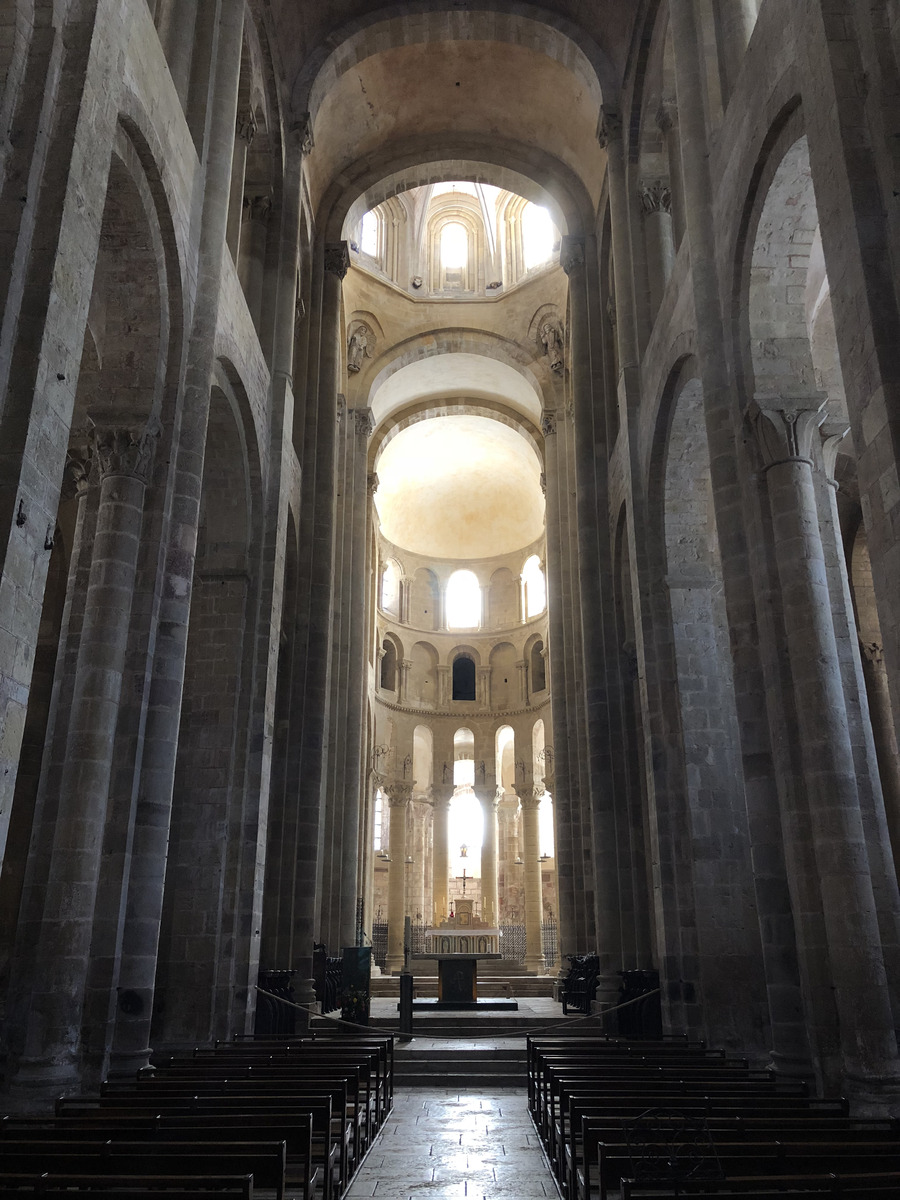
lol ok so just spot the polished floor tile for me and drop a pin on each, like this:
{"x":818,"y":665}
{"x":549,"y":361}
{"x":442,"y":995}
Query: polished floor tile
{"x":449,"y":1145}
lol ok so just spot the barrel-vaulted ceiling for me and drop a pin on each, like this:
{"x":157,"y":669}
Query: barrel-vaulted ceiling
{"x":517,"y":85}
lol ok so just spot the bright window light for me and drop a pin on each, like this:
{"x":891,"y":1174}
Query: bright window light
{"x":538,"y":236}
{"x":535,"y":587}
{"x":369,"y":241}
{"x":454,"y":246}
{"x":463,"y":600}
{"x":545,"y":825}
{"x":379,"y":819}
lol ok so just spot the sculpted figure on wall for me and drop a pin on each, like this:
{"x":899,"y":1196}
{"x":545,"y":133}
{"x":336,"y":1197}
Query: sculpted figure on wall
{"x":551,"y":340}
{"x":360,"y":346}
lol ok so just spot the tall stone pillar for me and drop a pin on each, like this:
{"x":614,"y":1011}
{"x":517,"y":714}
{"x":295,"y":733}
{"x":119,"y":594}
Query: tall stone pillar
{"x":530,"y":799}
{"x":522,"y":681}
{"x":404,"y":667}
{"x":885,"y":738}
{"x":399,"y":794}
{"x":566,"y":819}
{"x":442,"y":794}
{"x":734,"y":24}
{"x":356,"y":517}
{"x":489,"y":800}
{"x":656,"y":210}
{"x":484,"y":686}
{"x":53,"y":1038}
{"x":667,"y":120}
{"x":443,"y":687}
{"x":762,"y":762}
{"x":245,"y":131}
{"x":252,"y":258}
{"x":785,"y":428}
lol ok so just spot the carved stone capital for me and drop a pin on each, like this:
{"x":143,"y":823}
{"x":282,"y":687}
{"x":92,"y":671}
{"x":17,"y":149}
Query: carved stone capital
{"x":609,"y":126}
{"x":246,"y":126}
{"x":441,"y":795}
{"x":81,"y":465}
{"x":257,"y":208}
{"x":399,"y":792}
{"x":530,"y":797}
{"x":784,"y":426}
{"x":372,"y":481}
{"x":337,"y":259}
{"x":667,"y":114}
{"x":548,"y":423}
{"x":365,"y":422}
{"x":655,"y":196}
{"x":833,"y":434}
{"x":571,"y":253}
{"x":125,"y":452}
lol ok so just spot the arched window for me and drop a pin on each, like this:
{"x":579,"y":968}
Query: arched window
{"x":388,"y":666}
{"x":538,"y":236}
{"x":378,"y":820}
{"x":463,"y":601}
{"x":454,"y":246}
{"x":390,"y":589}
{"x":369,"y":238}
{"x":463,"y":678}
{"x":538,"y":668}
{"x":535,"y":587}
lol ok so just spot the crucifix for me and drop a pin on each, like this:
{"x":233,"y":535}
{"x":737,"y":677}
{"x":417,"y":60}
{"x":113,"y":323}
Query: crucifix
{"x":464,"y":880}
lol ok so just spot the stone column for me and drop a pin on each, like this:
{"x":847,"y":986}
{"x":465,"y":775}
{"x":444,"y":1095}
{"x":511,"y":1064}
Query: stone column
{"x":656,"y":209}
{"x":484,"y":686}
{"x":735,"y":20}
{"x":667,"y":120}
{"x":399,"y":795}
{"x":355,"y":709}
{"x":53,"y":1038}
{"x":442,"y":794}
{"x":245,"y":131}
{"x":885,"y":738}
{"x":489,"y":799}
{"x":530,"y":799}
{"x":404,"y":668}
{"x":405,"y":592}
{"x":785,"y":428}
{"x":252,"y":256}
{"x":522,"y":680}
{"x":443,"y":687}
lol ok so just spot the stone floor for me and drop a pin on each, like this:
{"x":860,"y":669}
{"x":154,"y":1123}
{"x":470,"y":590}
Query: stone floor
{"x":447,"y":1145}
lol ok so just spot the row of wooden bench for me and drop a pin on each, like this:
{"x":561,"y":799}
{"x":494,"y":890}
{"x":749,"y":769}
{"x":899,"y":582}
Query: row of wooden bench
{"x":668,"y":1118}
{"x":288,"y":1117}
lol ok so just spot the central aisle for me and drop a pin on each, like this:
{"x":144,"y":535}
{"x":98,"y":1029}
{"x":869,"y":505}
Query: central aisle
{"x":449,"y":1144}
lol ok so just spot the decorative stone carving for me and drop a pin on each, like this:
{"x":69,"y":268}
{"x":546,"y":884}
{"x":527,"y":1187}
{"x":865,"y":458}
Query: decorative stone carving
{"x":80,"y":467}
{"x":360,"y":345}
{"x":305,"y":134}
{"x":372,"y":481}
{"x":785,"y":426}
{"x":544,"y":482}
{"x":530,"y":797}
{"x":337,"y":259}
{"x":399,"y":792}
{"x":609,"y":127}
{"x":655,"y":196}
{"x":125,"y":452}
{"x":548,"y":423}
{"x":551,"y":337}
{"x":365,"y":422}
{"x":832,"y":436}
{"x":299,"y":309}
{"x":874,"y":651}
{"x":246,"y":126}
{"x":257,"y":208}
{"x":571,"y":253}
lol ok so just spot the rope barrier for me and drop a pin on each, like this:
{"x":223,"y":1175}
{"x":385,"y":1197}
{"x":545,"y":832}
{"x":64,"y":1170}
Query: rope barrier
{"x":450,"y":1037}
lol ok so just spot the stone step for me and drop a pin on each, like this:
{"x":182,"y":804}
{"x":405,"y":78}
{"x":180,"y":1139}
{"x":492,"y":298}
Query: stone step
{"x":490,"y":988}
{"x":487,"y":1068}
{"x":469,"y":1079}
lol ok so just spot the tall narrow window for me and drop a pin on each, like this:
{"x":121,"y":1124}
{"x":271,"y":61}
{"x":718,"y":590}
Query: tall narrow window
{"x":463,"y":678}
{"x":463,"y":600}
{"x":538,"y":668}
{"x":454,"y":246}
{"x":378,"y":820}
{"x":388,"y":666}
{"x":369,"y":240}
{"x":535,"y":587}
{"x":538,"y":236}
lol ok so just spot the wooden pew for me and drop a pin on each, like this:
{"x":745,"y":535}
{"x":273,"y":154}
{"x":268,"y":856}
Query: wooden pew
{"x":137,"y":1187}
